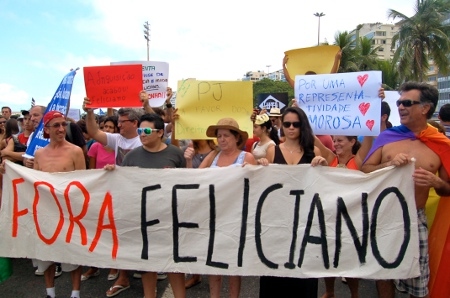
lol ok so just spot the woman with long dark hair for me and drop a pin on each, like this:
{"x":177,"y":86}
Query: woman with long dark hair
{"x":298,"y":148}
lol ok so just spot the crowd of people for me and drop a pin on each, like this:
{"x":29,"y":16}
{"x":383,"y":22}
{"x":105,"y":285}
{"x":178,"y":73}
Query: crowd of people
{"x":144,"y":138}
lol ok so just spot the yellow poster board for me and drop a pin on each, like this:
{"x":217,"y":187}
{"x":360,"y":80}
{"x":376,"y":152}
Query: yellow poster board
{"x":202,"y":103}
{"x":319,"y":59}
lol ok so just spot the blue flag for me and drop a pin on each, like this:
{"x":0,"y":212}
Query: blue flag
{"x":60,"y":102}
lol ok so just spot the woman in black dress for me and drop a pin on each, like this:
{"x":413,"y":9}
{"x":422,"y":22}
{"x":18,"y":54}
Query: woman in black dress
{"x":298,"y":148}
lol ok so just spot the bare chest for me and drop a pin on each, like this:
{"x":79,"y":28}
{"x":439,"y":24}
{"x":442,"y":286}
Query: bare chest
{"x":424,"y":156}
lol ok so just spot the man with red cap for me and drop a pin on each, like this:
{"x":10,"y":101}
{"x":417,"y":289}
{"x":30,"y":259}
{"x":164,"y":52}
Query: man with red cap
{"x":58,"y":156}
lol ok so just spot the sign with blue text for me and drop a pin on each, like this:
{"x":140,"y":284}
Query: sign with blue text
{"x":59,"y":102}
{"x":341,"y":104}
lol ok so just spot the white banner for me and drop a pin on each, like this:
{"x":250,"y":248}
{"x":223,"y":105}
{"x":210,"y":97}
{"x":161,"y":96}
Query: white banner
{"x":341,"y":104}
{"x":279,"y":220}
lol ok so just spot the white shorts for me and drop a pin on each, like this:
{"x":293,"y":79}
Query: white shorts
{"x":43,"y":265}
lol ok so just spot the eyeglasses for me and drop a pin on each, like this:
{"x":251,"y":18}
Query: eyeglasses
{"x":122,"y":121}
{"x":2,"y":122}
{"x":407,"y":103}
{"x":58,"y":125}
{"x":288,"y":124}
{"x":146,"y":130}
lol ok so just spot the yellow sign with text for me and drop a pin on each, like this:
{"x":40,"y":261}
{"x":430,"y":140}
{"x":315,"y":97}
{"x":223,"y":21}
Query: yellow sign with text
{"x":319,"y":59}
{"x":202,"y":103}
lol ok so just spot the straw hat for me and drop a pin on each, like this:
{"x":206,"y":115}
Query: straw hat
{"x":275,"y":112}
{"x":227,"y":123}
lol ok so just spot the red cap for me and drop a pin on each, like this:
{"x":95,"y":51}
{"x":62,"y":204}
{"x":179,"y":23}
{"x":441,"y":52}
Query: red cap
{"x":49,"y":117}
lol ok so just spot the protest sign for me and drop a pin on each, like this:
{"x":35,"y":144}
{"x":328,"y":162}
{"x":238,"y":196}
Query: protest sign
{"x":319,"y":59}
{"x":60,"y":102}
{"x":341,"y":104}
{"x":297,"y":221}
{"x":155,"y":76}
{"x":202,"y":103}
{"x":113,"y":86}
{"x":273,"y":100}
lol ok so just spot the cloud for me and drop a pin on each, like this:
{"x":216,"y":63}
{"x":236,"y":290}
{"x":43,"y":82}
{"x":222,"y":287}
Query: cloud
{"x":13,"y":97}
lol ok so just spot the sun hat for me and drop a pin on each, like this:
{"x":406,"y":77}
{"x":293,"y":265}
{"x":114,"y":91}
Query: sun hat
{"x":261,"y":119}
{"x":227,"y":123}
{"x":275,"y":112}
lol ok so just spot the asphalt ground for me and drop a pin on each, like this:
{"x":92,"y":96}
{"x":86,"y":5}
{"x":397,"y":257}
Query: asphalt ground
{"x":24,"y":284}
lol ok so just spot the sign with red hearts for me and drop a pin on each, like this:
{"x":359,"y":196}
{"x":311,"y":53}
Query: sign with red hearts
{"x":341,"y":104}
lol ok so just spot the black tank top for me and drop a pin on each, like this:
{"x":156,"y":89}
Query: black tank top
{"x":279,"y":158}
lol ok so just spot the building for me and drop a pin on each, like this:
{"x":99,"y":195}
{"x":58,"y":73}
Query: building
{"x":443,"y":82}
{"x":258,"y":75}
{"x":381,"y":36}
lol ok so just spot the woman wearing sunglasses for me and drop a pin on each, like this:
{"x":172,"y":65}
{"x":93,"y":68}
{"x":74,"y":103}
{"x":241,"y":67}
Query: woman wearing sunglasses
{"x":298,"y":148}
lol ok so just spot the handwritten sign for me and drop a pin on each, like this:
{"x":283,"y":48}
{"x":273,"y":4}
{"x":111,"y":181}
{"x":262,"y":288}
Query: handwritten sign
{"x":341,"y":104}
{"x":113,"y":86}
{"x":296,"y":221}
{"x":202,"y":103}
{"x":155,"y":76}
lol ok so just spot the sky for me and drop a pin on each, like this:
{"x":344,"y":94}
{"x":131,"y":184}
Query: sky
{"x":41,"y":40}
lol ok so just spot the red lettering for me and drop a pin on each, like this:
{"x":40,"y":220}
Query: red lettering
{"x":78,"y":218}
{"x":107,"y":205}
{"x":35,"y":215}
{"x":16,"y":212}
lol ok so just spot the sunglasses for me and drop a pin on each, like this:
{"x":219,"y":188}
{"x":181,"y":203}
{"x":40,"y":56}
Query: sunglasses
{"x":407,"y":103}
{"x":58,"y":125}
{"x":2,"y":122}
{"x":146,"y":130}
{"x":122,"y":121}
{"x":288,"y":124}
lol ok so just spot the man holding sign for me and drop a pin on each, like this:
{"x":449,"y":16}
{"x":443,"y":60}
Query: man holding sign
{"x":414,"y":141}
{"x":58,"y":156}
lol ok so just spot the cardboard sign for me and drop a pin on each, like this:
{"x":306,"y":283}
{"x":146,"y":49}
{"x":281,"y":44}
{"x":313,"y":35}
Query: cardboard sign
{"x":341,"y":104}
{"x":202,"y":103}
{"x":155,"y":79}
{"x":319,"y":59}
{"x":279,"y":220}
{"x":113,"y":86}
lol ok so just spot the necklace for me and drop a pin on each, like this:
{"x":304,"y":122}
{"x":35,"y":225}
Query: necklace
{"x":293,"y":150}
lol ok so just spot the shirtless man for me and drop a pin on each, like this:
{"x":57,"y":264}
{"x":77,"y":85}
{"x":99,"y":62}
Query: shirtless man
{"x":397,"y":146}
{"x":58,"y":156}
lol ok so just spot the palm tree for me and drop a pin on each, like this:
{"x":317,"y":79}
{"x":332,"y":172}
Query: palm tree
{"x":390,"y":75}
{"x":366,"y":54}
{"x":422,"y":37}
{"x":346,"y":42}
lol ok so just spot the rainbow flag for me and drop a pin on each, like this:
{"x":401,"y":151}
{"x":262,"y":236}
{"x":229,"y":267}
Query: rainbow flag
{"x":439,"y":230}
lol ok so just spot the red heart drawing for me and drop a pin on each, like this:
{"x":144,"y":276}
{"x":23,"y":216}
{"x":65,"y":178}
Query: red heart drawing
{"x":364,"y":107}
{"x":370,"y":124}
{"x":363,"y":79}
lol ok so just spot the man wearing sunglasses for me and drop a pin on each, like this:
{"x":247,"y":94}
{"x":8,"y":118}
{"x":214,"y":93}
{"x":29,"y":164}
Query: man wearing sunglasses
{"x":58,"y":156}
{"x":397,"y":146}
{"x":155,"y":154}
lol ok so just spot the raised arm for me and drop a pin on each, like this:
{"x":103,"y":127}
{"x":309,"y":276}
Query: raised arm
{"x":143,"y":96}
{"x":337,"y":60}
{"x":363,"y":151}
{"x":91,"y":125}
{"x":286,"y":73}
